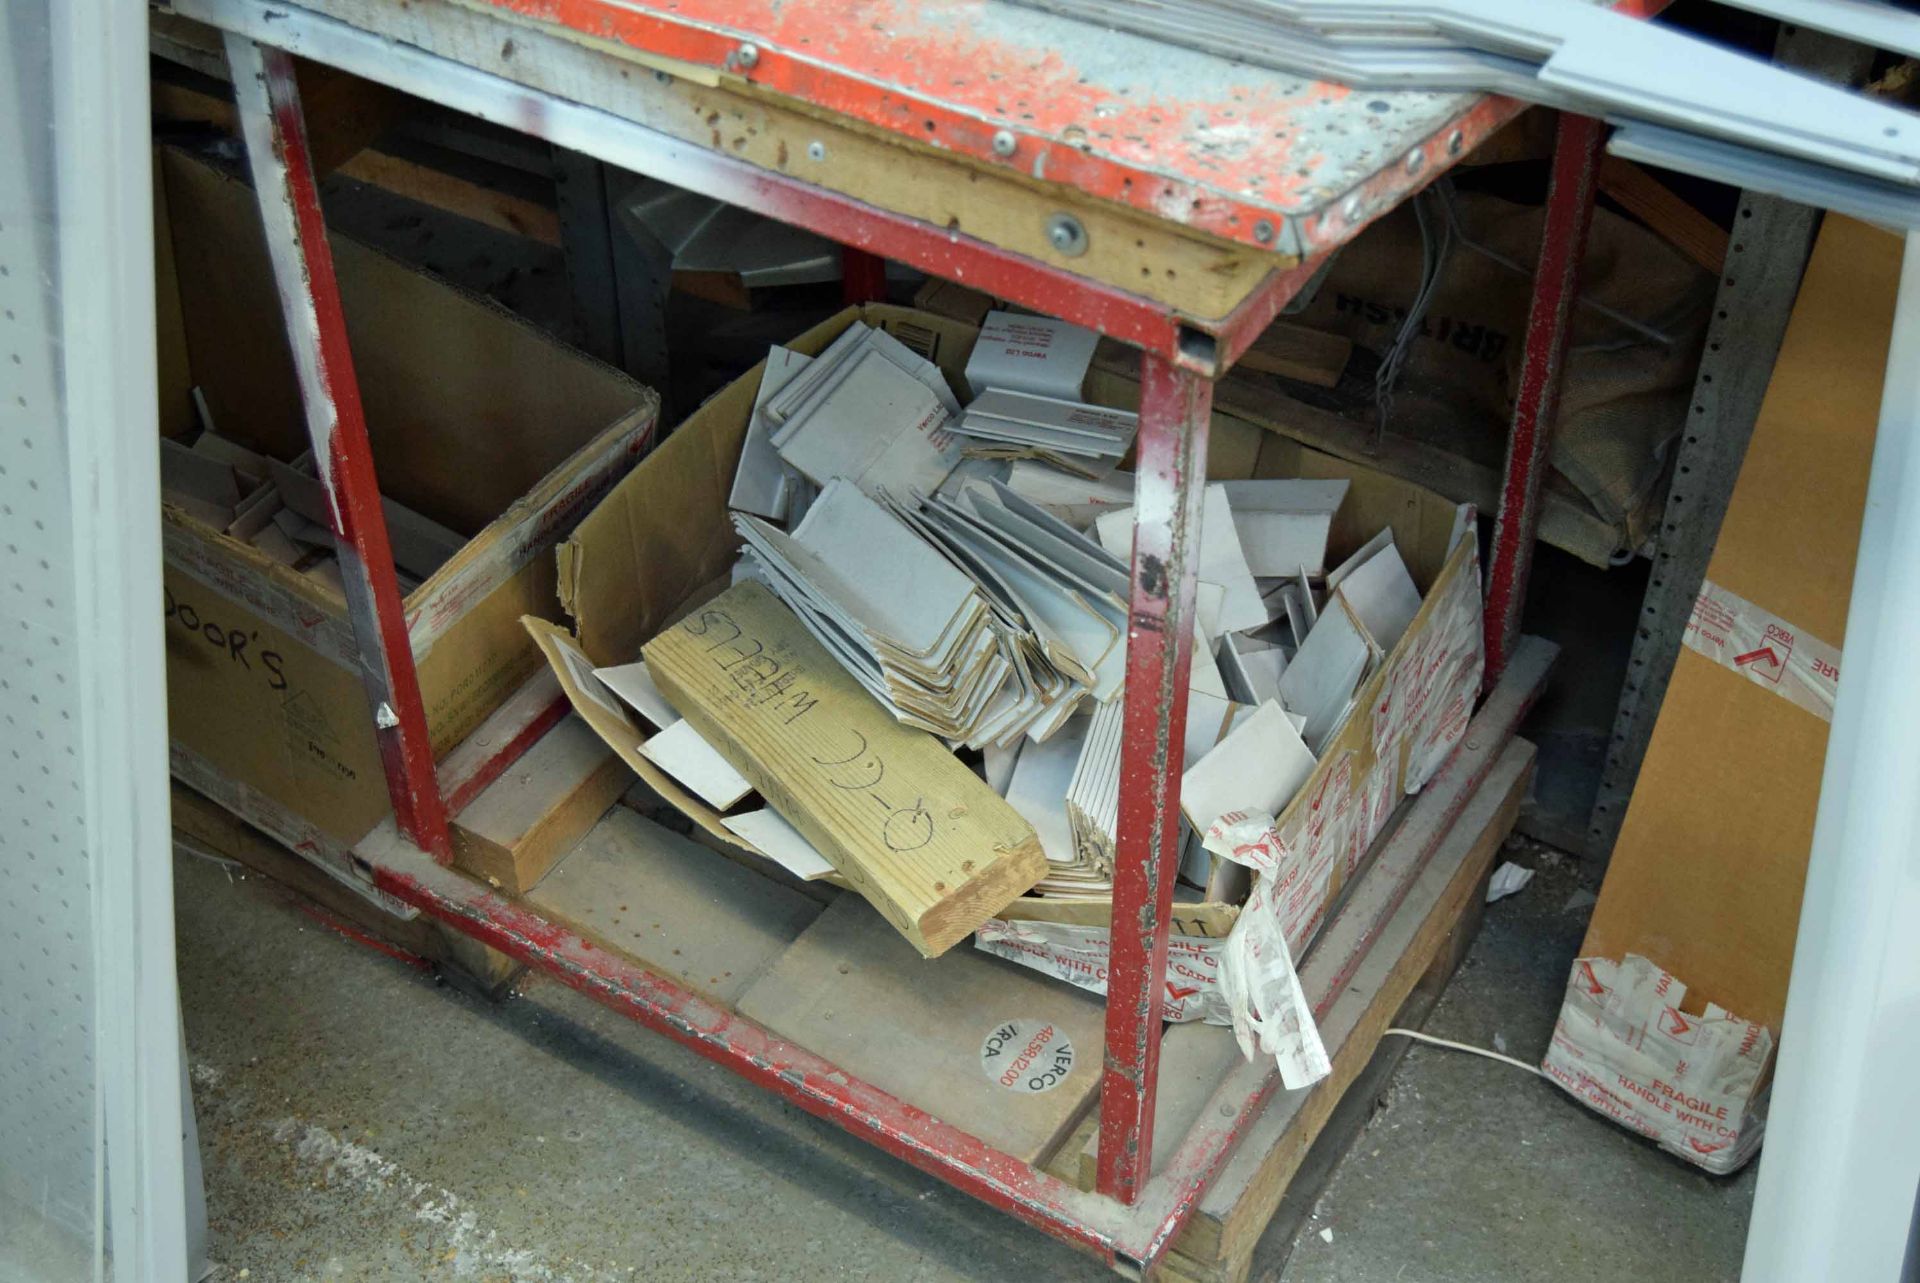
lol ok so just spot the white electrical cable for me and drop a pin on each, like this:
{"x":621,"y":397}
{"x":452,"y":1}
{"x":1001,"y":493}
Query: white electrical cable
{"x":1417,"y":1036}
{"x":1435,"y":243}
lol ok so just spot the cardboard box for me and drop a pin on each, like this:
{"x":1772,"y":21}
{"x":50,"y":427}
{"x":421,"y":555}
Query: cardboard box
{"x":1681,"y":983}
{"x":478,"y":421}
{"x":660,"y":543}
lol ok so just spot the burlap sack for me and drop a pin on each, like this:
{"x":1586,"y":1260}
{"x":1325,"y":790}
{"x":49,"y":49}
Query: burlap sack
{"x":1625,"y":395}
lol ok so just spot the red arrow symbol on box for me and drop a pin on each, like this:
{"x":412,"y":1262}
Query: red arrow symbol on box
{"x":1754,"y":655}
{"x":1680,"y":1024}
{"x":1175,"y":991}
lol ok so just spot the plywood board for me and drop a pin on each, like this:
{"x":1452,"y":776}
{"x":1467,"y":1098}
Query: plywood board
{"x":1194,"y":1059}
{"x":1707,"y":872}
{"x":854,"y":992}
{"x":917,"y":833}
{"x":679,"y":909}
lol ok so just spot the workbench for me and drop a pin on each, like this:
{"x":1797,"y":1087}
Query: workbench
{"x":1167,"y":198}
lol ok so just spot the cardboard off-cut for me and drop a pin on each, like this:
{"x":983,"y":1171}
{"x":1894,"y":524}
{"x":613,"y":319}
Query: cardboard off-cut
{"x":1258,"y":766}
{"x":1284,"y":525}
{"x":684,"y":753}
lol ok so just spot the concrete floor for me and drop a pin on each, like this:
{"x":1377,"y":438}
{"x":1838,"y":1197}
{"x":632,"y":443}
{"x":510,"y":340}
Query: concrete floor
{"x":360,"y":1121}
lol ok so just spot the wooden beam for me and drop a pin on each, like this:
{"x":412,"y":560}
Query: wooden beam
{"x":1296,"y":352}
{"x":534,"y":813}
{"x":918,"y":834}
{"x":1668,"y":214}
{"x":502,"y":211}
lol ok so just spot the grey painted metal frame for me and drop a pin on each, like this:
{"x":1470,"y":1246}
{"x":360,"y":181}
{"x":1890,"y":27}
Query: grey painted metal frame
{"x":1575,"y":55}
{"x":1766,"y":257}
{"x":1760,"y":172}
{"x":1878,"y":26}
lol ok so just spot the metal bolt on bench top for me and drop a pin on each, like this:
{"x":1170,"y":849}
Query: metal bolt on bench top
{"x":1066,"y":234}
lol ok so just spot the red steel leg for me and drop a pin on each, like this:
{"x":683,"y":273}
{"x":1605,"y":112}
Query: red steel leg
{"x":276,"y":134}
{"x":1175,"y":405}
{"x":1556,"y":285}
{"x":863,"y":276}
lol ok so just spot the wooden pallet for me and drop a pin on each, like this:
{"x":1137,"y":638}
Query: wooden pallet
{"x":1256,"y":1206}
{"x":1387,"y":954}
{"x":205,"y":825}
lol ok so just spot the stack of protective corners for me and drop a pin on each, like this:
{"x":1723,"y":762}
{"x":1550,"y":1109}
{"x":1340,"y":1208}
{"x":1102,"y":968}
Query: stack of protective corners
{"x":1089,"y":440}
{"x":1017,"y":352}
{"x":902,"y":620}
{"x":869,"y":410}
{"x":1672,"y":1007}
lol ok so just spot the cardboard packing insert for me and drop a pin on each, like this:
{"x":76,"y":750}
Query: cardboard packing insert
{"x":661,"y":544}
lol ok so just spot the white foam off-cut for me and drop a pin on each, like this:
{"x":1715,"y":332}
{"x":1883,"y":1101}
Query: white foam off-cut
{"x":1693,"y":1083}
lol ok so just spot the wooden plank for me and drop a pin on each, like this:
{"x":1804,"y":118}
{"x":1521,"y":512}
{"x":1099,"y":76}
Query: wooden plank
{"x":345,"y":113}
{"x":483,"y":756}
{"x":855,"y":993}
{"x":451,"y":193}
{"x":1296,"y":352}
{"x":917,"y":833}
{"x":1065,"y":1164}
{"x":1176,"y":1268}
{"x":470,"y":965}
{"x":946,"y":298}
{"x":1665,"y":211}
{"x":502,"y":211}
{"x":523,"y":822}
{"x":1270,"y":1253}
{"x":1242,"y":1200}
{"x":676,"y":909}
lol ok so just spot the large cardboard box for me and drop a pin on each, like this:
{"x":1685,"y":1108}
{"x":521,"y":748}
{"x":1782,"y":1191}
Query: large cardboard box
{"x":660,"y":543}
{"x":478,"y":421}
{"x":1705,"y":881}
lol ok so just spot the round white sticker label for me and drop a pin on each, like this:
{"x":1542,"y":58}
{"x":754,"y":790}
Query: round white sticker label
{"x":1027,"y":1056}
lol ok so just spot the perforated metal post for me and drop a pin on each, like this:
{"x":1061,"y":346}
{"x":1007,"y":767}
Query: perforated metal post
{"x":277,"y":152}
